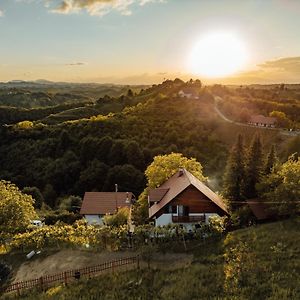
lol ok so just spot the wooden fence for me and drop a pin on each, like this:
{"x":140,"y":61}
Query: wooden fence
{"x":71,"y":275}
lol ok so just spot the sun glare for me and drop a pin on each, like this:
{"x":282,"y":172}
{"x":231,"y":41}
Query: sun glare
{"x":217,"y":54}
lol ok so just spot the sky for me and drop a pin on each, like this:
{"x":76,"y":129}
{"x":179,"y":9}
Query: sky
{"x":145,"y":41}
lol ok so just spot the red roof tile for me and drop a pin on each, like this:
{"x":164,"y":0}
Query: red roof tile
{"x":260,"y":119}
{"x":101,"y":203}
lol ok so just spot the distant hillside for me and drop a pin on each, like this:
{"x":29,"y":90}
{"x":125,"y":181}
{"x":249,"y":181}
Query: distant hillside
{"x":29,"y":99}
{"x":43,"y":93}
{"x":260,"y":262}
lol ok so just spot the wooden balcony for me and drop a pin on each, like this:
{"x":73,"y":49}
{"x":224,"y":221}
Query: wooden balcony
{"x":188,"y":219}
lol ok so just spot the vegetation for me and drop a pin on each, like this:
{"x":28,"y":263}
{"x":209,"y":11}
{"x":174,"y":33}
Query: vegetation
{"x":16,"y":209}
{"x":93,"y":154}
{"x":253,"y":168}
{"x":281,"y":187}
{"x":120,"y":218}
{"x":247,"y":172}
{"x":266,"y":100}
{"x":165,"y":166}
{"x":255,"y":263}
{"x":235,"y":172}
{"x":5,"y":272}
{"x":111,"y":237}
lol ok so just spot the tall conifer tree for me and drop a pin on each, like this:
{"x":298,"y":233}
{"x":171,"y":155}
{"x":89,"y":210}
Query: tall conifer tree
{"x":253,"y":168}
{"x":234,"y":174}
{"x":271,"y":161}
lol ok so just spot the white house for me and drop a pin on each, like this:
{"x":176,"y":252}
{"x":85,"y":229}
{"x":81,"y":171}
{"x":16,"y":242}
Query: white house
{"x":184,"y":199}
{"x":188,"y":93}
{"x":96,"y":205}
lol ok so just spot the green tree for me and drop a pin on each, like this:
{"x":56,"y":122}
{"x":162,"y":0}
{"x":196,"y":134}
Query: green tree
{"x":293,"y":147}
{"x":130,"y":93}
{"x":135,"y":155}
{"x":24,"y":125}
{"x":235,"y":172}
{"x":198,"y":83}
{"x":49,"y":195}
{"x":140,"y":210}
{"x":165,"y":166}
{"x":36,"y":195}
{"x":281,"y":118}
{"x":88,"y":148}
{"x":281,"y":186}
{"x":71,"y":204}
{"x":271,"y":160}
{"x":127,"y":177}
{"x":117,"y":154}
{"x":16,"y":208}
{"x":253,"y":168}
{"x":119,"y":218}
{"x":103,"y":148}
{"x":93,"y":177}
{"x":64,"y":142}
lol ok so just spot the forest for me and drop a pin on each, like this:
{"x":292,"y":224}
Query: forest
{"x":69,"y":148}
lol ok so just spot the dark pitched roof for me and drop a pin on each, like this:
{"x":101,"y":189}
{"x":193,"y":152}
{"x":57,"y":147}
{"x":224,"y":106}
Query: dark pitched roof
{"x":101,"y":203}
{"x":259,"y":209}
{"x":177,"y":184}
{"x":262,"y":119}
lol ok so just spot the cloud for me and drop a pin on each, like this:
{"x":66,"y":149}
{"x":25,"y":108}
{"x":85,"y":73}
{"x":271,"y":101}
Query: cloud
{"x":286,"y":64}
{"x":95,"y":7}
{"x":76,"y":64}
{"x":1,"y":13}
{"x":286,"y":69}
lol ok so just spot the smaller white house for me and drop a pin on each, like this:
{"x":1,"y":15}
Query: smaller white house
{"x":189,"y":93}
{"x":96,"y":205}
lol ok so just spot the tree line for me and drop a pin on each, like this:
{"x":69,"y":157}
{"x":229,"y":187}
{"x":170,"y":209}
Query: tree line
{"x":252,"y":173}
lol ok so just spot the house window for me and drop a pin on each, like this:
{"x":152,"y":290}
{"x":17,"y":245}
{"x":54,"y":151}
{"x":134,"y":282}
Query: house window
{"x":171,"y":209}
{"x":183,"y":210}
{"x":174,"y":209}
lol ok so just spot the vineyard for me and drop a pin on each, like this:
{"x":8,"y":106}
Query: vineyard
{"x":81,"y":235}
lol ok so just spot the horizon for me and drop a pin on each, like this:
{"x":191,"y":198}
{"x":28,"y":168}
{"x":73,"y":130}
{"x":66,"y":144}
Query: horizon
{"x":119,"y":41}
{"x":49,"y":82}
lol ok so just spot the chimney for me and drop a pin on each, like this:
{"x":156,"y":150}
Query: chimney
{"x":181,"y":172}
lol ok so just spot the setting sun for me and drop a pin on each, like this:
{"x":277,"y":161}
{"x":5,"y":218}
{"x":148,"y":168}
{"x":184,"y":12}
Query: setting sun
{"x":217,"y":54}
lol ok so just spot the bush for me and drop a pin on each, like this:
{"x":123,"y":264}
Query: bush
{"x":71,"y":204}
{"x":58,"y":216}
{"x":118,"y":219}
{"x":5,"y":271}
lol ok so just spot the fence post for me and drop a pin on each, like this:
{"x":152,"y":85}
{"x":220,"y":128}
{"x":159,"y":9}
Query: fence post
{"x":18,"y":289}
{"x":42,"y":283}
{"x":113,"y":266}
{"x":65,"y":278}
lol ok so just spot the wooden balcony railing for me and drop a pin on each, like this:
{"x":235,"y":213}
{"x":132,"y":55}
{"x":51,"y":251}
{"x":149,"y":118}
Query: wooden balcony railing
{"x":188,"y":219}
